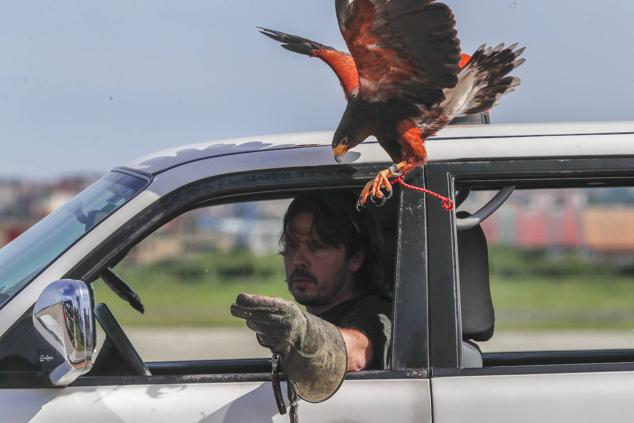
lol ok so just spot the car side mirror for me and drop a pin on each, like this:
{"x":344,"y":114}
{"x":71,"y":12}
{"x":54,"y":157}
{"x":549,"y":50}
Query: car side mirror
{"x":63,"y":315}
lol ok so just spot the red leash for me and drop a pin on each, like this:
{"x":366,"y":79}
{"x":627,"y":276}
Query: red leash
{"x":447,"y":203}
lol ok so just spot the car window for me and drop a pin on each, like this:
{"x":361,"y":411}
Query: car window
{"x":561,"y":269}
{"x":26,"y":256}
{"x":188,"y":273}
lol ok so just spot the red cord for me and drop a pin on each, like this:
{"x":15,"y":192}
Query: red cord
{"x":447,"y":203}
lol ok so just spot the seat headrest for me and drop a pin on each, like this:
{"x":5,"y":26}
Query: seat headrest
{"x":478,"y":318}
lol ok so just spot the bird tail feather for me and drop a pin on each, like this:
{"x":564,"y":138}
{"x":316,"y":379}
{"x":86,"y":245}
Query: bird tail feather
{"x":483,"y":80}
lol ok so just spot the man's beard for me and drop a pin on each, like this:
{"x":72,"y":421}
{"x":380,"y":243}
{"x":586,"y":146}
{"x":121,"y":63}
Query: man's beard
{"x":318,"y":298}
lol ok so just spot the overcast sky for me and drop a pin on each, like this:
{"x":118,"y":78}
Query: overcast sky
{"x":85,"y":86}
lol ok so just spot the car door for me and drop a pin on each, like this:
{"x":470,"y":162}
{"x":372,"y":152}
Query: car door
{"x":189,"y":383}
{"x":557,"y":267}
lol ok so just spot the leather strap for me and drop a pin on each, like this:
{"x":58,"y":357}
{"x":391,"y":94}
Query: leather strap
{"x":292,"y":399}
{"x":277,"y":388}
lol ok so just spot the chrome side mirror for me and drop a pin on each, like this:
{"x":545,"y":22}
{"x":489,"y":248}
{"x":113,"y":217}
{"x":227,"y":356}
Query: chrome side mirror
{"x":63,"y":315}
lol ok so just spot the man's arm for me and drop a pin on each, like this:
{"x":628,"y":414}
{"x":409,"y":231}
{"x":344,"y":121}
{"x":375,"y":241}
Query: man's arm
{"x":358,"y":347}
{"x":367,"y":329}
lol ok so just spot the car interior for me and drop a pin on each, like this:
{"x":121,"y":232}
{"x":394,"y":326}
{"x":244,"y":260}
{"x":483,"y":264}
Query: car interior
{"x":476,"y":304}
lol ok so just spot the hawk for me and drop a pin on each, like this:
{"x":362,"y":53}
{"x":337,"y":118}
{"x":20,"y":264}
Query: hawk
{"x":405,"y":78}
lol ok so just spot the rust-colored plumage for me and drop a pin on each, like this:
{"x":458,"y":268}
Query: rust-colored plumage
{"x":405,"y":77}
{"x":343,"y":65}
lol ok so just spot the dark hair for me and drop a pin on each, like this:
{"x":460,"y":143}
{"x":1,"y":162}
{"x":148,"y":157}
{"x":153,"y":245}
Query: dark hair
{"x":337,"y":222}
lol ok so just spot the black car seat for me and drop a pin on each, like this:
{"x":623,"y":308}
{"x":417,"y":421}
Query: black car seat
{"x":476,"y":306}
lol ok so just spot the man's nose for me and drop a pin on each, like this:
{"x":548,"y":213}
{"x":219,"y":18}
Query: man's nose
{"x":301,"y":257}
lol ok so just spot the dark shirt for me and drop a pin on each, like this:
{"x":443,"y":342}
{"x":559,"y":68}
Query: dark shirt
{"x":370,"y":315}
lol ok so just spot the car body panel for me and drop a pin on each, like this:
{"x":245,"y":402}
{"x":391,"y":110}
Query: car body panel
{"x":173,"y":178}
{"x":453,"y":143}
{"x":545,"y":398}
{"x":236,"y":402}
{"x":439,"y":150}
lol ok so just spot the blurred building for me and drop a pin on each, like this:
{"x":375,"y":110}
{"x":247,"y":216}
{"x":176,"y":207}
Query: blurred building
{"x":23,"y":203}
{"x":595,"y":221}
{"x":600,"y":220}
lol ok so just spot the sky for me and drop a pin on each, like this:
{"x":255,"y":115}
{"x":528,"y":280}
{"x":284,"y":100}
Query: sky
{"x":86,"y":86}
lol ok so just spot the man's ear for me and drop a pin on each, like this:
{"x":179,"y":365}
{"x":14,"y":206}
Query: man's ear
{"x":355,"y":261}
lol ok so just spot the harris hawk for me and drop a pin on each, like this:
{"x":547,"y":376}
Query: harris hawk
{"x":405,"y":78}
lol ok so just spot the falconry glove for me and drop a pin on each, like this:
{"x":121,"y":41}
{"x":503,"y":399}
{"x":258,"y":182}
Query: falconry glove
{"x":312,"y":351}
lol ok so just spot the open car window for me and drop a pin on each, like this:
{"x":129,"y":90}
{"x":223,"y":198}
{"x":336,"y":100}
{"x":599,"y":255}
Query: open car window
{"x":188,"y":272}
{"x":561,"y":274}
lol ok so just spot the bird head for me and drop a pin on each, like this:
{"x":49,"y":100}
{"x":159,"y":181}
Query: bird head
{"x":339,"y":148}
{"x":346,"y":139}
{"x":351,"y":132}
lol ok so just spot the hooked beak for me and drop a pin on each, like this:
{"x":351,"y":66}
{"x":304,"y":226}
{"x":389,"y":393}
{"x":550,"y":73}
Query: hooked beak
{"x":339,"y":151}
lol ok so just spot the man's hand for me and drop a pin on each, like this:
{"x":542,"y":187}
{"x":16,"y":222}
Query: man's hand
{"x":313,"y":352}
{"x":278,"y":323}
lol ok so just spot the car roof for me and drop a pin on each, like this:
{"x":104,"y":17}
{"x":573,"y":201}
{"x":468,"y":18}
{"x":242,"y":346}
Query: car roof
{"x":458,"y":142}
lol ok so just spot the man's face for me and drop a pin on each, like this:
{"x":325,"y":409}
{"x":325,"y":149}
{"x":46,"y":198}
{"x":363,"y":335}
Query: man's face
{"x":317,"y":274}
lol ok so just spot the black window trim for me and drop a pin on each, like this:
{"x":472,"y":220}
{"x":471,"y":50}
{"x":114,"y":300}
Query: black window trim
{"x":445,"y":326}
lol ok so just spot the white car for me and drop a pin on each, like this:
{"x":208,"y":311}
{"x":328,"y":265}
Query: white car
{"x":445,"y":364}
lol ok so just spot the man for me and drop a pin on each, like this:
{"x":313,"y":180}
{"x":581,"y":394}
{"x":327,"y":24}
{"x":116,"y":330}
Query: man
{"x":333,"y":267}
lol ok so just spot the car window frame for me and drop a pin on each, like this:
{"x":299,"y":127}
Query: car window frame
{"x":443,"y":177}
{"x":409,"y":334}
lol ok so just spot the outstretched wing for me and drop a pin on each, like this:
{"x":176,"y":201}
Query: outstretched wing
{"x":341,"y":63}
{"x":401,"y":48}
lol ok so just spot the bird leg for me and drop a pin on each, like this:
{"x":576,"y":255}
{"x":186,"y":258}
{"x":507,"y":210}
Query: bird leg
{"x":373,"y":188}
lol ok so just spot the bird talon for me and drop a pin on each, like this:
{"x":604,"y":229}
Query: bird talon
{"x":389,"y":194}
{"x":360,"y":206}
{"x":378,"y":204}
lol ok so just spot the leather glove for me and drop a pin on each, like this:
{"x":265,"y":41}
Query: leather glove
{"x":313,"y":353}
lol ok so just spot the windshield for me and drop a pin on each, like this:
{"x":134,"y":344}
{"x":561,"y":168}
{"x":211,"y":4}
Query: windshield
{"x":29,"y":254}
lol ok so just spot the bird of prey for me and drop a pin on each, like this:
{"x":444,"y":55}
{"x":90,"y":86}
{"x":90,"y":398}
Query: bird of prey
{"x":405,"y":78}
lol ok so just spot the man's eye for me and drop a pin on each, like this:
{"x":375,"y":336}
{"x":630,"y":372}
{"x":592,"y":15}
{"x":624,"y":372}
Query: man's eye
{"x":290,"y":247}
{"x":317,"y":246}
